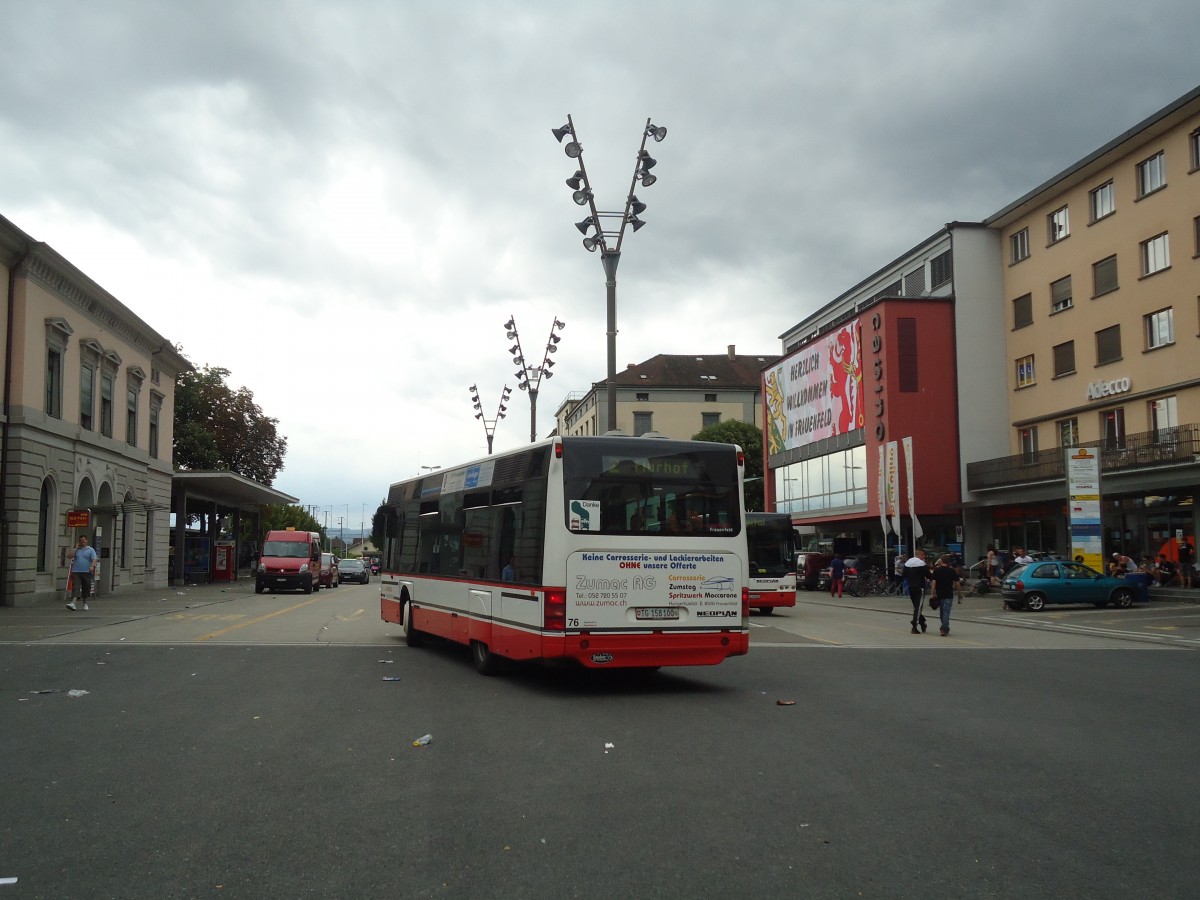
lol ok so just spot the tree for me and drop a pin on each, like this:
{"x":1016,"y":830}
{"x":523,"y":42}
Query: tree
{"x":280,"y":518}
{"x":749,"y":438}
{"x":217,"y":427}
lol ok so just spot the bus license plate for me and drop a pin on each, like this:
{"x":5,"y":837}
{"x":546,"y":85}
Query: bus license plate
{"x":657,"y":612}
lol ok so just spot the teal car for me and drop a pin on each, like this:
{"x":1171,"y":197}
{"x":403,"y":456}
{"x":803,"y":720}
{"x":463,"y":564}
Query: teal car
{"x":1059,"y":581}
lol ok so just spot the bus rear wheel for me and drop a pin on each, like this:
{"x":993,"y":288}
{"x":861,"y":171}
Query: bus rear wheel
{"x":486,"y":662}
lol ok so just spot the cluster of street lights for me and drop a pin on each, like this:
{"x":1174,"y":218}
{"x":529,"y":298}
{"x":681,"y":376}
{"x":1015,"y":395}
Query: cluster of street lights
{"x":489,"y":425}
{"x":608,"y":239}
{"x":605,"y":239}
{"x":529,"y":377}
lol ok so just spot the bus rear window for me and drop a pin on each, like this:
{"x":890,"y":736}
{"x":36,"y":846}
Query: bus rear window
{"x":681,"y":490}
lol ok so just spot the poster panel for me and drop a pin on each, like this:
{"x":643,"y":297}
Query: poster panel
{"x":816,"y":392}
{"x":1083,"y":504}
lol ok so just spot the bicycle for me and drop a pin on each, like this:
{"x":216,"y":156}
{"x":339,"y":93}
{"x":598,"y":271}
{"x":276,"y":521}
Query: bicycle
{"x":871,"y":581}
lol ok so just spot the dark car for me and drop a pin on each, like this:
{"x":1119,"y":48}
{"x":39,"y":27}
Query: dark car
{"x":1037,"y":584}
{"x":329,"y":570}
{"x":354,"y":570}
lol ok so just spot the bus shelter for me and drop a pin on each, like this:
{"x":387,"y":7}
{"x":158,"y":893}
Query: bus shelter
{"x":213,"y":510}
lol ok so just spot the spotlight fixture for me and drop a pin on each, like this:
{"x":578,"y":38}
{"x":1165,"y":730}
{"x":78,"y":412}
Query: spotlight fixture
{"x":559,"y":325}
{"x":648,"y":161}
{"x":560,"y":133}
{"x":590,"y":244}
{"x":576,"y":180}
{"x":636,"y":205}
{"x":510,"y":324}
{"x":572,"y":149}
{"x":656,"y":132}
{"x":636,"y":223}
{"x":647,"y":179}
{"x":583,"y":227}
{"x":554,"y":338}
{"x":582,"y":197}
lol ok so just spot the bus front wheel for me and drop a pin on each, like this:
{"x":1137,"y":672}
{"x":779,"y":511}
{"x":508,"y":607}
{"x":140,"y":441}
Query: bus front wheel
{"x":486,"y":662}
{"x":412,"y":637}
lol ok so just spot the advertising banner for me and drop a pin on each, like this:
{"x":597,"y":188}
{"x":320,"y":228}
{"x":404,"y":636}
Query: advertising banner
{"x":912,"y":504}
{"x":816,"y":392}
{"x":1083,"y":503}
{"x":893,"y":485}
{"x":883,"y":522}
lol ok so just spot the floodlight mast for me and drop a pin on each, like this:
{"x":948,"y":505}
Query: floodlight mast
{"x":610,"y":257}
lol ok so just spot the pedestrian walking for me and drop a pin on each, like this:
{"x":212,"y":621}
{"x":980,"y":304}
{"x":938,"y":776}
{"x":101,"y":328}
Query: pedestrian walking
{"x":916,"y":572}
{"x":837,"y":575}
{"x":1187,"y":558}
{"x":83,"y":568}
{"x":897,"y":586}
{"x":946,"y":584}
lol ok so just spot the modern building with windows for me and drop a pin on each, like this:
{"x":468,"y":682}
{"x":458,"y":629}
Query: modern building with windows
{"x":902,"y":367}
{"x":1102,"y":314}
{"x":674,"y":395}
{"x":85,"y":428}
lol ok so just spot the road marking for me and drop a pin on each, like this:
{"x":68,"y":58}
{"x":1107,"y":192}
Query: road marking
{"x":270,"y":615}
{"x":351,"y":617}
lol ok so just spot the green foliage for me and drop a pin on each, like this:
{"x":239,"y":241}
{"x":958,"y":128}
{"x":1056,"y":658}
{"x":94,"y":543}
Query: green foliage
{"x":377,"y":526}
{"x":749,"y":438}
{"x":217,"y":427}
{"x":279,"y":518}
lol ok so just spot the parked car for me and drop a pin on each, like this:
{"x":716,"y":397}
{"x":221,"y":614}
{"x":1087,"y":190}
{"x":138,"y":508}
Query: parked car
{"x":1034,"y":585}
{"x":329,"y":570}
{"x":354,"y":570}
{"x":808,"y":568}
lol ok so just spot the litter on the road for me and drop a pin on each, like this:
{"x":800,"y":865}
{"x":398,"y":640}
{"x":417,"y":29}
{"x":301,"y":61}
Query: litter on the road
{"x":391,"y":678}
{"x":423,"y":740}
{"x":387,"y":660}
{"x":785,"y":702}
{"x":76,"y":693}
{"x":48,"y":691}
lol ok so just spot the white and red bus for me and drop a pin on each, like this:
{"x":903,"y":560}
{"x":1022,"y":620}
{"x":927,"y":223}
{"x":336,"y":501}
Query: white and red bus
{"x":771,"y":543}
{"x":610,"y":551}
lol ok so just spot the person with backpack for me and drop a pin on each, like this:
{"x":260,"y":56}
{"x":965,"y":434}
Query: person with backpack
{"x":916,"y":571}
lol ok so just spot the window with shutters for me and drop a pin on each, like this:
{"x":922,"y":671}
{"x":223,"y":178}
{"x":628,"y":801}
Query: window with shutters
{"x":1104,"y":276}
{"x":941,"y":269}
{"x":1060,"y":295}
{"x":1064,"y":359}
{"x":1108,"y":345}
{"x":1023,"y":311}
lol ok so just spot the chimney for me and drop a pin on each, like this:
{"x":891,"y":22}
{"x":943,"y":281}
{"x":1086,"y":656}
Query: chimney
{"x":732,"y":351}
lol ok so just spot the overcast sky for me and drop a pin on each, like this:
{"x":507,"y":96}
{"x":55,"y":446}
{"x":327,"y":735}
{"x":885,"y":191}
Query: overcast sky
{"x":366,"y":191}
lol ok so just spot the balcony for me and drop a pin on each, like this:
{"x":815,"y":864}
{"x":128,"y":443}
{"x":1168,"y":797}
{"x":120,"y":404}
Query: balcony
{"x":1148,"y":450}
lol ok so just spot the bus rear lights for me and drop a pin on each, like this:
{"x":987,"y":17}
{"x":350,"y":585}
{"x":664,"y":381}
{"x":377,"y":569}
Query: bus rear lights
{"x":555,"y":610}
{"x":745,"y":601}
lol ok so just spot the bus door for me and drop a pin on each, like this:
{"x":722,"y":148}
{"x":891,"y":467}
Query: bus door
{"x":476,"y":623}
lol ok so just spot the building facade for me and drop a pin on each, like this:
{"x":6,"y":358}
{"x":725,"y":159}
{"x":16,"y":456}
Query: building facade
{"x":673,"y":395}
{"x":887,"y":375}
{"x":85,"y":428}
{"x":1102,"y":317}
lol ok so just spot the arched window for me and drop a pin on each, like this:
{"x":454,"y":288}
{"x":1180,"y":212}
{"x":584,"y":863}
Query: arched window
{"x":45,"y":525}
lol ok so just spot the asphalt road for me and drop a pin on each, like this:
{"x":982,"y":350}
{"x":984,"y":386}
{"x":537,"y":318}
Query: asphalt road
{"x":262,"y":753}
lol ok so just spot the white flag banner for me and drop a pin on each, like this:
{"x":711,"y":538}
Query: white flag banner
{"x":912,"y":505}
{"x":893,"y":485}
{"x":883,"y":522}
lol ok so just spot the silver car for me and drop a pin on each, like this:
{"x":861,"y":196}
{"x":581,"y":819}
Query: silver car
{"x":353,"y":570}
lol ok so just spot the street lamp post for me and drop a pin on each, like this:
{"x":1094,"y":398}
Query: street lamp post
{"x":610,"y":254}
{"x":530,"y":377}
{"x":489,"y":425}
